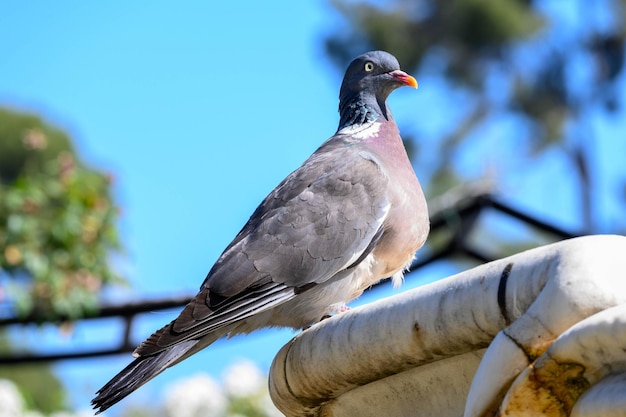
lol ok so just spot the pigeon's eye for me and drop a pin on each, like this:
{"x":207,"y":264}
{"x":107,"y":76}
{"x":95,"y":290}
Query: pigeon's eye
{"x":369,"y":66}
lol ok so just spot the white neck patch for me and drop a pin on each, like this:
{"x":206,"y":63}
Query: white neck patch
{"x":364,"y":131}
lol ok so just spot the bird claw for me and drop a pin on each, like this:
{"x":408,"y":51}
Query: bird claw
{"x":336,"y":309}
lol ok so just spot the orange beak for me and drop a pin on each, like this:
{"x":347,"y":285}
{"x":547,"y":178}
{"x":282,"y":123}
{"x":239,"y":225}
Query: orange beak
{"x":404,"y":78}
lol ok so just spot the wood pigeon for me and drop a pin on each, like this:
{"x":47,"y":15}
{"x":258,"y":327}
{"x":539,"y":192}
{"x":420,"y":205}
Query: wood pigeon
{"x":352,"y":214}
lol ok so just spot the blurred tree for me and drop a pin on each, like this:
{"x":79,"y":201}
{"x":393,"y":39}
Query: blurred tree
{"x":14,"y":402}
{"x":540,"y":66}
{"x":38,"y":386}
{"x":57,"y":223}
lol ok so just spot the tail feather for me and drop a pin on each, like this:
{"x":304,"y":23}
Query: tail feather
{"x":140,"y":371}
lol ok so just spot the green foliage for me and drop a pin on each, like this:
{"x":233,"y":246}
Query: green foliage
{"x":57,"y":222}
{"x":249,"y":406}
{"x":39,"y":387}
{"x":27,"y":143}
{"x":481,"y":24}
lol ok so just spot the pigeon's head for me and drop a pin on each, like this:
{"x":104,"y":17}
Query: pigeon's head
{"x":369,"y":80}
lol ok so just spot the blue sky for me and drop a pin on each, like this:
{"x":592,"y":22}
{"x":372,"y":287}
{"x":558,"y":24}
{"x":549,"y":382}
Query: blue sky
{"x":199,"y":111}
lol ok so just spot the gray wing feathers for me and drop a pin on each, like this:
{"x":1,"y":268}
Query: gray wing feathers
{"x":309,"y":228}
{"x":319,"y":221}
{"x":198,"y":319}
{"x":137,"y":373}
